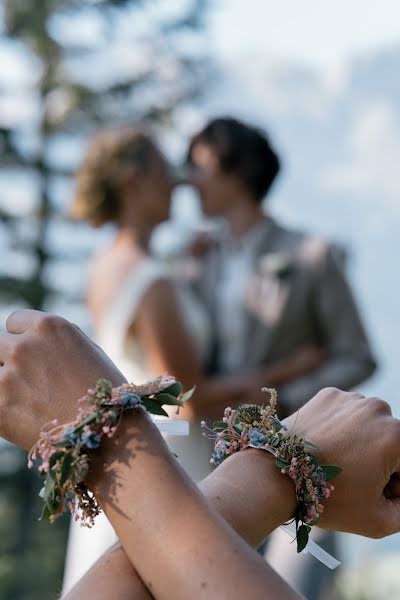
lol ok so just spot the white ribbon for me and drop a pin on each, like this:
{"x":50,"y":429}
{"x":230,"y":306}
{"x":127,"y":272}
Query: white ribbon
{"x":173,"y":427}
{"x":312,"y":548}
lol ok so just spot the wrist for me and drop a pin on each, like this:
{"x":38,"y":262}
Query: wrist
{"x":135,"y":427}
{"x":269,"y":487}
{"x":260,"y":497}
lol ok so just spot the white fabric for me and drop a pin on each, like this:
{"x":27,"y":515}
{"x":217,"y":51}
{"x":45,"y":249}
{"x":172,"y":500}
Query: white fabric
{"x":126,"y":351}
{"x":237,"y":264}
{"x":87,"y":545}
{"x":312,"y":548}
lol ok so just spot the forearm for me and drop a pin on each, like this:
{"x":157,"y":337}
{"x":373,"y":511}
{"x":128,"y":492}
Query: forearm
{"x":247,"y":490}
{"x":212,"y":395}
{"x":163,"y":521}
{"x":112,"y":576}
{"x":251,"y":494}
{"x":215,"y":393}
{"x":343,"y":372}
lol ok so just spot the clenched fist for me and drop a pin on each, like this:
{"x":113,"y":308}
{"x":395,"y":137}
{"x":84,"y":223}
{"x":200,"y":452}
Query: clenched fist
{"x":360,"y":435}
{"x":47,"y":364}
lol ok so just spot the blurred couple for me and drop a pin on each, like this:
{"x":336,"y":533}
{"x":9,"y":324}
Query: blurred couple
{"x":269,"y":306}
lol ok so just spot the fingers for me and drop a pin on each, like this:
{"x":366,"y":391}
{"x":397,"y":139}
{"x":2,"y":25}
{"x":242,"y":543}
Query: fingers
{"x":392,"y":488}
{"x":22,"y":320}
{"x":390,"y":518}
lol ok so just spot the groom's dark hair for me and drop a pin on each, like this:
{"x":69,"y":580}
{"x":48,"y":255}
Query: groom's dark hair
{"x":241,"y":149}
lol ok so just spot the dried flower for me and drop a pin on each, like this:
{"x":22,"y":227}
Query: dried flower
{"x":64,"y":450}
{"x":256,"y":426}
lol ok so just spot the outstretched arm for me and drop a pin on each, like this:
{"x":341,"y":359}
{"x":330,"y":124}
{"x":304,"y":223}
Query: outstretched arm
{"x":47,"y":363}
{"x":252,"y":495}
{"x":112,"y":576}
{"x":249,"y":493}
{"x":168,"y":346}
{"x":178,"y":543}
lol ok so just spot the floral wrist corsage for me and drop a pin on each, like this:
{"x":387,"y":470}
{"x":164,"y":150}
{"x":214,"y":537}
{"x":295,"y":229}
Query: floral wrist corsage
{"x":64,"y":450}
{"x":253,"y":426}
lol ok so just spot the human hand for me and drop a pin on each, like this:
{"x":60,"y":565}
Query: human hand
{"x":303,"y":361}
{"x":47,"y":365}
{"x":360,"y":435}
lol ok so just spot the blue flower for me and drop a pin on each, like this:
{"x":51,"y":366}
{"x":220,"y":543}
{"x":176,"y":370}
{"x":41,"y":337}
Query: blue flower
{"x":129,"y":400}
{"x":218,"y":456}
{"x":278,"y":423}
{"x":91,"y":440}
{"x":70,"y":435}
{"x":319,"y":476}
{"x":256,"y":437}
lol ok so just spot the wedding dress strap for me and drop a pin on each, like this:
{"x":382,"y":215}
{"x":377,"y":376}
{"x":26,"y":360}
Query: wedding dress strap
{"x":123,"y":308}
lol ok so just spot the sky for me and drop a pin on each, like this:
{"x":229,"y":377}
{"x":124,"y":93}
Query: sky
{"x":311,"y":32}
{"x":341,"y":130}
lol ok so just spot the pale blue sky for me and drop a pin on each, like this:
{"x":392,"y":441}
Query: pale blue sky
{"x":308,"y":31}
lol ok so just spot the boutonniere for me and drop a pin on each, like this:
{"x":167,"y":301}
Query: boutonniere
{"x":276,"y":264}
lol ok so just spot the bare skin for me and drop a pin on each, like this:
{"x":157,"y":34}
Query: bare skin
{"x":253,"y":515}
{"x":144,"y":201}
{"x":48,"y":362}
{"x":254,"y":498}
{"x":158,"y":321}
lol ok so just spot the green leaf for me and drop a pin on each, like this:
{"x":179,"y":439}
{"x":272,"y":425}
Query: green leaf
{"x":65,"y":469}
{"x":187,"y":395}
{"x":301,"y":512}
{"x":302,"y":537}
{"x":154,"y":407}
{"x":62,"y":444}
{"x":54,"y":506}
{"x":174,"y":389}
{"x":331,"y":471}
{"x":219,"y":426}
{"x":45,"y":516}
{"x":275,"y":440}
{"x":281,"y":463}
{"x":49,"y":488}
{"x":168,"y":399}
{"x":54,"y":458}
{"x":310,"y":445}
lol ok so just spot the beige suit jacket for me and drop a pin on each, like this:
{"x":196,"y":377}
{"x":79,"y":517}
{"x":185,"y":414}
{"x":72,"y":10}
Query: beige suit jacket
{"x":297,"y":294}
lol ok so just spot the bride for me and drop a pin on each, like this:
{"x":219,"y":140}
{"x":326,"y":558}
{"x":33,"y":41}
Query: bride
{"x":145,"y":322}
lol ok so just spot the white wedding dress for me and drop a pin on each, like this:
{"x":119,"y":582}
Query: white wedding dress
{"x":85,"y":546}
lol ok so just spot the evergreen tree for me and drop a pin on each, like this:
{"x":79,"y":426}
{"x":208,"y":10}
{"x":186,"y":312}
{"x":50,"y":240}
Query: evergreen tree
{"x":83,"y":64}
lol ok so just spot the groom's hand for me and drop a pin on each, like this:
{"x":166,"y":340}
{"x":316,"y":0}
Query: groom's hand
{"x":46,"y":365}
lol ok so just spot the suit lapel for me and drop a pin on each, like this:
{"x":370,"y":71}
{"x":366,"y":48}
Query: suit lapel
{"x":266,"y":298}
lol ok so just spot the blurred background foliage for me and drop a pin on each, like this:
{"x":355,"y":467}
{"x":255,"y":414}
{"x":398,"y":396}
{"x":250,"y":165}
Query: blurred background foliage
{"x":73,"y":66}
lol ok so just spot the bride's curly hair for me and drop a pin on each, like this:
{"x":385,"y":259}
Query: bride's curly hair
{"x":110,"y":157}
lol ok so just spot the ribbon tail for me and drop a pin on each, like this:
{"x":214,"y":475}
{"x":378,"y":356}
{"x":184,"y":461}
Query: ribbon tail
{"x":176,"y":427}
{"x":313,"y":548}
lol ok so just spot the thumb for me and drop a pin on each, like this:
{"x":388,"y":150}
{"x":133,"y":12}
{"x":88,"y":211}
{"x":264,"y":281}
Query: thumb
{"x":21,"y":320}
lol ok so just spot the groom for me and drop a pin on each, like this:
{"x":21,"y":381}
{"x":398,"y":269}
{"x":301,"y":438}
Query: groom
{"x":272,"y":292}
{"x":275,"y":296}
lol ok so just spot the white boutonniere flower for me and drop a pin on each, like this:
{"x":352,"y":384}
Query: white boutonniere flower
{"x":276,"y":264}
